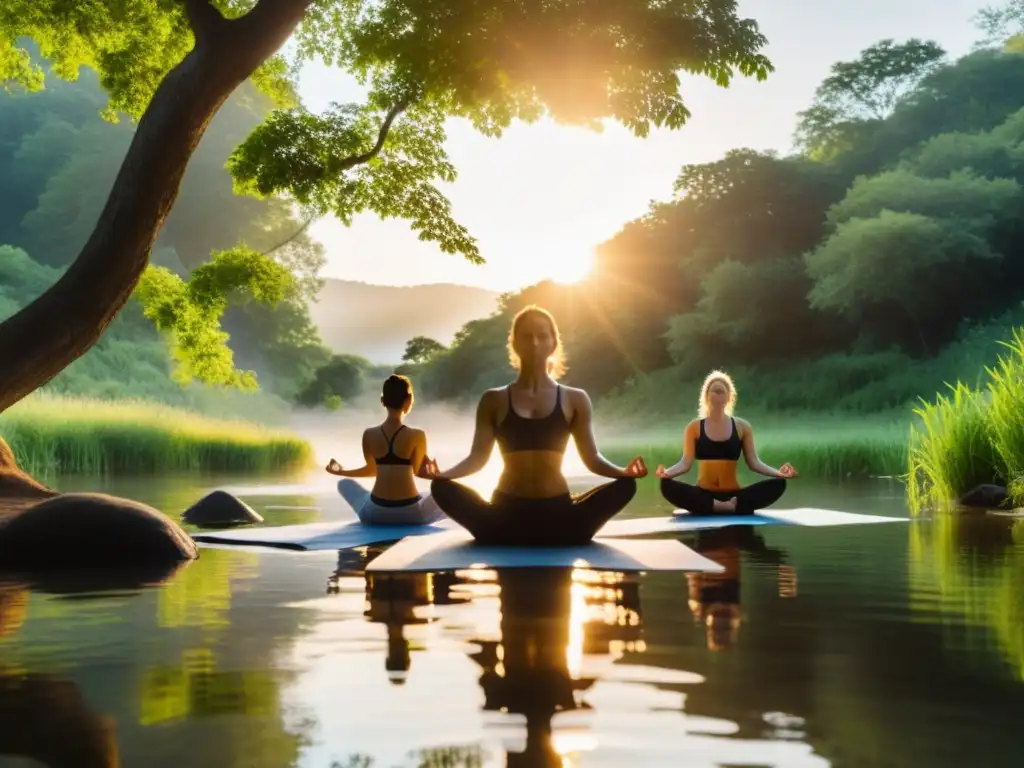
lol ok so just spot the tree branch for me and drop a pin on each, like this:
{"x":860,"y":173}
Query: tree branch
{"x":63,"y":323}
{"x":297,"y":233}
{"x":340,"y":166}
{"x":206,"y":21}
{"x":333,"y":169}
{"x":271,"y":22}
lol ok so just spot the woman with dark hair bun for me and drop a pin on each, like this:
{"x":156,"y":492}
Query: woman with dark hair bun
{"x":394,"y":453}
{"x":531,"y":420}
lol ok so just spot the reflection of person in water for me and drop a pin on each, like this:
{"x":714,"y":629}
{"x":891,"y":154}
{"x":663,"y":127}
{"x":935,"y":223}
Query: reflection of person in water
{"x":393,"y":453}
{"x":714,"y":598}
{"x":531,"y":420}
{"x":392,"y":599}
{"x":532,"y":677}
{"x":716,"y":439}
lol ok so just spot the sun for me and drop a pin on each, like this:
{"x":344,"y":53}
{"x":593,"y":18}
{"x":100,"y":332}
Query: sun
{"x":570,"y":266}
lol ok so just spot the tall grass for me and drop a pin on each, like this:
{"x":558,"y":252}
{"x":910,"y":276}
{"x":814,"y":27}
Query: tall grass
{"x":971,"y":437}
{"x":1006,"y":405}
{"x":950,"y":449}
{"x":53,"y":435}
{"x":823,"y":447}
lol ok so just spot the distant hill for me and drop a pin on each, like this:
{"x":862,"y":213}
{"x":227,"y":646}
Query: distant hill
{"x":376,"y":321}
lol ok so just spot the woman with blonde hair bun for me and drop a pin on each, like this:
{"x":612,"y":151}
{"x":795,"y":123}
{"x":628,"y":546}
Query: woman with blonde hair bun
{"x":717,"y":439}
{"x":531,"y":420}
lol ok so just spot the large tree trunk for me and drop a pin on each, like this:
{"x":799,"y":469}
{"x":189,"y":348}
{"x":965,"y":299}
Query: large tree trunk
{"x":65,"y":322}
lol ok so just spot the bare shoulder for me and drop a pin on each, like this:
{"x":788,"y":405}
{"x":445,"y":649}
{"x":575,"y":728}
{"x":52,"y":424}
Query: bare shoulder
{"x":743,"y":426}
{"x":416,"y":433}
{"x":576,"y":395}
{"x":492,"y":397}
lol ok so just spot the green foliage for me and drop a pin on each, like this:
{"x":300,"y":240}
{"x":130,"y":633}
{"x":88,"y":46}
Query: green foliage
{"x":419,"y":349}
{"x":861,"y":92}
{"x":57,"y":158}
{"x":492,"y":63}
{"x":998,"y":24}
{"x":340,"y":378}
{"x":899,"y":259}
{"x":1006,"y":410}
{"x":353,"y":159}
{"x":132,"y":58}
{"x":974,"y":436}
{"x":190,"y":312}
{"x":836,"y":448}
{"x":974,"y":202}
{"x":951,"y":450}
{"x":54,"y":435}
{"x":861,"y":283}
{"x":21,"y":278}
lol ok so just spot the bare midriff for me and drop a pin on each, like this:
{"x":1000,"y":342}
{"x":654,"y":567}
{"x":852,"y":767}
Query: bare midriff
{"x":533,"y":475}
{"x":717,"y":475}
{"x":394,"y":483}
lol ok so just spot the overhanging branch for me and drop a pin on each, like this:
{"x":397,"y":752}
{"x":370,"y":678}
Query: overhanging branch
{"x":340,"y":166}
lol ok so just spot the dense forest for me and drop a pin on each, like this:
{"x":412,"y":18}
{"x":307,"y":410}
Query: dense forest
{"x":878,"y":261}
{"x":864,"y":270}
{"x":58,"y":159}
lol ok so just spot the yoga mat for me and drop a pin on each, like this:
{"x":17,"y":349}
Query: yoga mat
{"x":455,"y":550}
{"x":681,"y":520}
{"x":314,"y":536}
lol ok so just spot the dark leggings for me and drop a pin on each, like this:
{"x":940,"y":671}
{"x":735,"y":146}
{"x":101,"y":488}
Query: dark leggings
{"x":505,"y":520}
{"x":698,"y":501}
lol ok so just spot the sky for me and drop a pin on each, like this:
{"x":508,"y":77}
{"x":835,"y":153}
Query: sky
{"x":543,"y":196}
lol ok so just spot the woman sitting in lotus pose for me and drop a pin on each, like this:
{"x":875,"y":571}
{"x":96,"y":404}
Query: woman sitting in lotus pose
{"x":716,"y":439}
{"x":531,"y":421}
{"x":394,"y":452}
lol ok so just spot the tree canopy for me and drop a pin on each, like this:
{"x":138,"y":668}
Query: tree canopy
{"x":855,"y":278}
{"x":171,"y":64}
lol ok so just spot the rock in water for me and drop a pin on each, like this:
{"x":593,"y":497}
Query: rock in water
{"x":91,"y":530}
{"x":16,"y":484}
{"x":220,"y":509}
{"x":985,"y":496}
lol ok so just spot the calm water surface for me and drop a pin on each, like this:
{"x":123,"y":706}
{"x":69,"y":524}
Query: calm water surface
{"x":879,"y":645}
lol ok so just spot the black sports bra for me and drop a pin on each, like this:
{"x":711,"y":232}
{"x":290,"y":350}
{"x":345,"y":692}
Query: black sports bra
{"x":718,"y":450}
{"x":391,"y":458}
{"x":550,"y":433}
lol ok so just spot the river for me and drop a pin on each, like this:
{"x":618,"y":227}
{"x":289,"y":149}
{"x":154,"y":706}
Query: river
{"x":875,"y":645}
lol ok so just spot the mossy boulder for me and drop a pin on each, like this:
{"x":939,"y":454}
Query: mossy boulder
{"x":91,"y":530}
{"x":220,"y":510}
{"x":985,"y":496}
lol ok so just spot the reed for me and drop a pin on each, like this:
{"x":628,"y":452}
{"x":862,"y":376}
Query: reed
{"x":54,"y":435}
{"x":971,"y":436}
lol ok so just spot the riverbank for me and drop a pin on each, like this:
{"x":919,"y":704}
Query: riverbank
{"x":54,"y":435}
{"x":821,"y":446}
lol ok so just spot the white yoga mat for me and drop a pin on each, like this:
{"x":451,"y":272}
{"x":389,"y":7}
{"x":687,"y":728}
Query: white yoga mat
{"x":681,"y":520}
